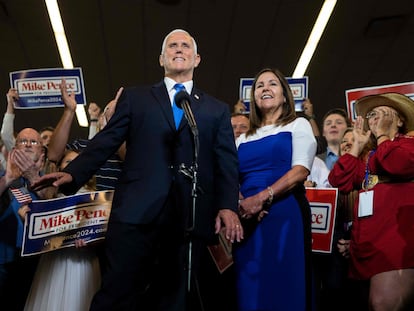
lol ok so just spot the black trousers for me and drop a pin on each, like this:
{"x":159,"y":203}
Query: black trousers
{"x":16,"y":281}
{"x":147,"y":269}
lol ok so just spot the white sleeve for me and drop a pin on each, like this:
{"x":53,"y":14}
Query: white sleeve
{"x":93,"y":129}
{"x":304,"y":143}
{"x":7,"y":131}
{"x":319,"y":174}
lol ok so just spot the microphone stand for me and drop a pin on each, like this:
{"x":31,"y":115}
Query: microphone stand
{"x":192,"y":174}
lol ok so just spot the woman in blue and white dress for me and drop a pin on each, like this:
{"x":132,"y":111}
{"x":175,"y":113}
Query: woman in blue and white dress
{"x":276,"y":154}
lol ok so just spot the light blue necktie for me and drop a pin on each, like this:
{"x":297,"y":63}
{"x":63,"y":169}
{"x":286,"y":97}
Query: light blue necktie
{"x":178,"y":112}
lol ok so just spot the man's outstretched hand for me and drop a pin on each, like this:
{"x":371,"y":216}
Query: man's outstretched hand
{"x":53,"y":179}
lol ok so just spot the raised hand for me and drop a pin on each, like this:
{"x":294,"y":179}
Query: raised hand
{"x":118,"y":94}
{"x":94,"y":111}
{"x":239,"y":107}
{"x":12,"y":98}
{"x":361,"y":137}
{"x":308,"y":108}
{"x":68,"y":99}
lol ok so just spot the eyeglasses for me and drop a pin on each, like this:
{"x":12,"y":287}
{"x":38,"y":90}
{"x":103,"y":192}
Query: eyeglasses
{"x":374,"y":113}
{"x":371,"y":114}
{"x":25,"y":142}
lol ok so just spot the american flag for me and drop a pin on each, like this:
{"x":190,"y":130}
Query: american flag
{"x":22,"y":195}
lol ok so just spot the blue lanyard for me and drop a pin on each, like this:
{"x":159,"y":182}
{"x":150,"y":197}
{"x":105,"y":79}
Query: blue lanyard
{"x":366,"y":179}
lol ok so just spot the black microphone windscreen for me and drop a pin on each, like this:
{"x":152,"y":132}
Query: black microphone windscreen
{"x":180,"y":97}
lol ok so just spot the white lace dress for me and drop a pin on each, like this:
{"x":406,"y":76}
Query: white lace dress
{"x":65,"y":280}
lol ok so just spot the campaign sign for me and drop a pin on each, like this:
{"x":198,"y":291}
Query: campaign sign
{"x":245,"y":91}
{"x":406,"y":88}
{"x":57,"y":223}
{"x":298,"y":86}
{"x":40,"y":88}
{"x":323,"y":211}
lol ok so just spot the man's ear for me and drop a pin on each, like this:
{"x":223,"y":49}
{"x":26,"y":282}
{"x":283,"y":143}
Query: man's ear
{"x":161,"y":60}
{"x":197,"y":60}
{"x":400,"y":123}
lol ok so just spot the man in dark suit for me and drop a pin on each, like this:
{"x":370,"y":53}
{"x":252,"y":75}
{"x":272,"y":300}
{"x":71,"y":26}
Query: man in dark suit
{"x":147,"y":242}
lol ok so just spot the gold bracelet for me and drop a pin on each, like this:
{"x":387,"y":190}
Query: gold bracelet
{"x":271,"y":194}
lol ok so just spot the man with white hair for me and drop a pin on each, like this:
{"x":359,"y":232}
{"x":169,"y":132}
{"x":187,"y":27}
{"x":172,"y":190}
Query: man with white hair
{"x":23,"y":168}
{"x":153,"y":239}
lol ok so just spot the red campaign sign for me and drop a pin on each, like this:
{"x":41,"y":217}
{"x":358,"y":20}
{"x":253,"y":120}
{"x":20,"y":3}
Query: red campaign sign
{"x":406,"y":88}
{"x":323,"y":209}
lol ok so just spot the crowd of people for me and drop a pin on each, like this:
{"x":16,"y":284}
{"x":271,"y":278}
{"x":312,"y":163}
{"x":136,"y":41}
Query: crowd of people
{"x":243,"y":174}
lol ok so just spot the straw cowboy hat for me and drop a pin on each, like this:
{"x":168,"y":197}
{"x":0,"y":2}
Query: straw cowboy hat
{"x":401,"y":103}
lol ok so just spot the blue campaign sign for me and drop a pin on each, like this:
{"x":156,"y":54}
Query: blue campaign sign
{"x":245,"y":90}
{"x":58,"y":223}
{"x":299,"y":87}
{"x":40,"y":88}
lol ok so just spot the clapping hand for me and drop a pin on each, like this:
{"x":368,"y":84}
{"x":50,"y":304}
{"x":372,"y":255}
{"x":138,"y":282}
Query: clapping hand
{"x":384,"y":121}
{"x":27,"y":166}
{"x":361,"y":137}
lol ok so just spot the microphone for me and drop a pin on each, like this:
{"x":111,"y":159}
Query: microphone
{"x":181,"y":97}
{"x":182,"y":100}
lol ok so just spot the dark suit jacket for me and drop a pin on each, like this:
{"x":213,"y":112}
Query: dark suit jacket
{"x":144,"y":119}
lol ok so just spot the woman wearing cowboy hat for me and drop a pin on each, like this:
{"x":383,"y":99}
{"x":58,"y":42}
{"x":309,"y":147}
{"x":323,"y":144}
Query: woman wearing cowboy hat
{"x":382,"y":239}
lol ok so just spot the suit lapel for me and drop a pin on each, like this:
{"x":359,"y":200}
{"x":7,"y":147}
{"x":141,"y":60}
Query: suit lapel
{"x":196,"y":99}
{"x":161,"y":94}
